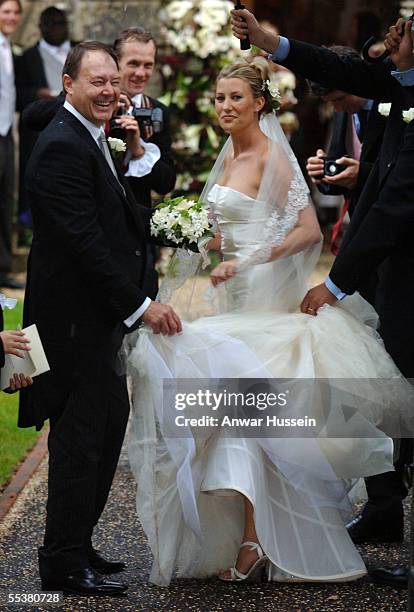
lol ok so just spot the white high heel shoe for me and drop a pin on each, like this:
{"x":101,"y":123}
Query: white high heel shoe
{"x":255,"y":572}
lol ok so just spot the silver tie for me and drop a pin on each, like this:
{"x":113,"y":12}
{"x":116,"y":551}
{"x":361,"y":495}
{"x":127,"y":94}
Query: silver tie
{"x":103,"y":145}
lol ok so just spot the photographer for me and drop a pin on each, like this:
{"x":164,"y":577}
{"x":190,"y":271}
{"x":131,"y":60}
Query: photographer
{"x":149,"y":163}
{"x":357,"y":132}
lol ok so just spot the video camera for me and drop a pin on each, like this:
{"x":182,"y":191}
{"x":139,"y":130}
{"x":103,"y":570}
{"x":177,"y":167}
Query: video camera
{"x":146,"y":117}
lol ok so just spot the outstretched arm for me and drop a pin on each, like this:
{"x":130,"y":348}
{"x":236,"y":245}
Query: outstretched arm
{"x":317,"y":63}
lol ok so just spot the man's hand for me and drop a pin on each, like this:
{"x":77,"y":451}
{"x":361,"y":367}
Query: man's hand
{"x":347,"y":178}
{"x":315,"y":166}
{"x":162,"y":319}
{"x":315,"y":298}
{"x":399,"y":42}
{"x":244,"y":24}
{"x":133,"y":141}
{"x":124,"y":102}
{"x":224,"y":271}
{"x":19,"y":381}
{"x":15,"y":343}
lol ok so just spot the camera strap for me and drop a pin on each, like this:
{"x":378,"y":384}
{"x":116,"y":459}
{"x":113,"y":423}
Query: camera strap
{"x":335,"y":243}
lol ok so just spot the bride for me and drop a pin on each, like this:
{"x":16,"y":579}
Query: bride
{"x":254,"y":503}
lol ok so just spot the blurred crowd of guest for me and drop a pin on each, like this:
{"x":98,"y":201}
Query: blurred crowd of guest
{"x":35,"y":74}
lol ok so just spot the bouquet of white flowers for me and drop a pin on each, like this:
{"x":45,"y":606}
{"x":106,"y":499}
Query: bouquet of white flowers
{"x":181,"y":222}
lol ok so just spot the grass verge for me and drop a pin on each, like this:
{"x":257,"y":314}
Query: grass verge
{"x":14,"y":442}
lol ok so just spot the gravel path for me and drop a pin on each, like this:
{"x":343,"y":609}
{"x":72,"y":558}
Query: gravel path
{"x":120,"y":536}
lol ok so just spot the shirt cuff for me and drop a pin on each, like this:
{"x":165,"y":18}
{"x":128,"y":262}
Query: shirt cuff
{"x":144,"y":165}
{"x":340,"y":295}
{"x":129,"y":322}
{"x":405,"y":78}
{"x":281,"y":53}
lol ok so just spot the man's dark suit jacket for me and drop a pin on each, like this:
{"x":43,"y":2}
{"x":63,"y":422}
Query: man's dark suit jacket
{"x":161,"y":179}
{"x":372,"y":136}
{"x":383,"y":221}
{"x":87,"y":258}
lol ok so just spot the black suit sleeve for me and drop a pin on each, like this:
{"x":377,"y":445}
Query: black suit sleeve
{"x":40,"y":113}
{"x":385,"y":227}
{"x":70,"y":206}
{"x":372,"y":81}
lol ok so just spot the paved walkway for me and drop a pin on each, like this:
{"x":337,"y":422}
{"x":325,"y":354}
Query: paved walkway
{"x":120,"y":536}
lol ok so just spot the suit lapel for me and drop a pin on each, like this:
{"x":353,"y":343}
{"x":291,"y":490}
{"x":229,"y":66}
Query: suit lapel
{"x":392,"y":141}
{"x":116,"y":184}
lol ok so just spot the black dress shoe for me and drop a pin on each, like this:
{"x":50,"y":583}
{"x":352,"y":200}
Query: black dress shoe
{"x":365,"y":529}
{"x":10,"y":283}
{"x":84,"y":582}
{"x":395,"y":578}
{"x":103,"y":566}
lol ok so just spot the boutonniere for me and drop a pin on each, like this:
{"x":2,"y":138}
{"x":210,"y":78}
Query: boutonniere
{"x":117,"y":146}
{"x":408,"y":115}
{"x":384,"y":109}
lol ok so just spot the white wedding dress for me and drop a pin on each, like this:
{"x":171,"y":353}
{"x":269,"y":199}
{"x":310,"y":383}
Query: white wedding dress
{"x":188,"y":497}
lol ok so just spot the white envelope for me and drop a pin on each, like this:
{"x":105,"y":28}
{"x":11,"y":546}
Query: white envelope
{"x":34,"y":362}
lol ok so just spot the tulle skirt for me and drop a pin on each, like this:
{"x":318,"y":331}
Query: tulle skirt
{"x":190,"y":489}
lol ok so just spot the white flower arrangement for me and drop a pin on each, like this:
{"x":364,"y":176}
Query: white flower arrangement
{"x":384,"y":108}
{"x":117,"y":145}
{"x":181,"y":222}
{"x":200,"y":27}
{"x":408,"y":115}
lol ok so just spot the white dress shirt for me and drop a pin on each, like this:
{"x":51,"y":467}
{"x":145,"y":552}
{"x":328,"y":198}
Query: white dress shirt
{"x":143,"y":165}
{"x":54,"y":58}
{"x":59,"y":52}
{"x":7,"y":86}
{"x":95,"y":131}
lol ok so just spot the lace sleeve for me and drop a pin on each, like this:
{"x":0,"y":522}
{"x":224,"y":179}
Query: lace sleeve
{"x":281,"y":221}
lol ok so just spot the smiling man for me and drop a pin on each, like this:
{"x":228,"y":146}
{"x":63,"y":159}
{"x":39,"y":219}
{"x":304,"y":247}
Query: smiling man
{"x":85,"y":274}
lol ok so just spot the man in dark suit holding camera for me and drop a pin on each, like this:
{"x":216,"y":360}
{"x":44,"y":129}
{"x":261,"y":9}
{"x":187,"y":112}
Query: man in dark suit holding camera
{"x":85,"y":274}
{"x":357,"y":132}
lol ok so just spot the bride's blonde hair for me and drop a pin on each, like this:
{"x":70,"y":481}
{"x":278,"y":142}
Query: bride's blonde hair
{"x":255,"y":72}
